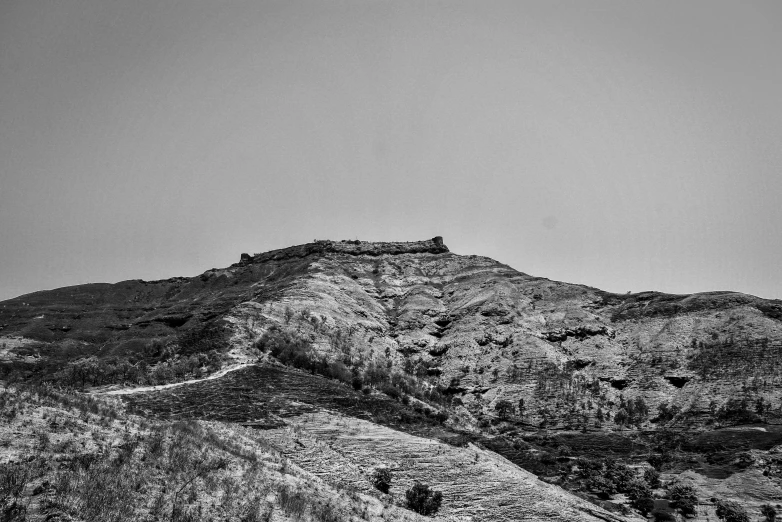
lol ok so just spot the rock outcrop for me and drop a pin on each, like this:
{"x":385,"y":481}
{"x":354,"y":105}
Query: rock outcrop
{"x":350,"y":247}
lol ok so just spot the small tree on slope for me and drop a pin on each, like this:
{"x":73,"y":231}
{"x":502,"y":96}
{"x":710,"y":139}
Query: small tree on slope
{"x":423,"y":500}
{"x":381,"y":479}
{"x":731,"y":511}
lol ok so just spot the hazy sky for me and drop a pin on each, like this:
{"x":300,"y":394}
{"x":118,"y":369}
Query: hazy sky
{"x":625,"y":145}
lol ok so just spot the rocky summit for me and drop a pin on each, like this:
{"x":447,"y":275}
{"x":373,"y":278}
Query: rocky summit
{"x":516,"y":397}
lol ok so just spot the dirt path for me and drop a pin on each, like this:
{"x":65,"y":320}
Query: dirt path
{"x":142,"y":389}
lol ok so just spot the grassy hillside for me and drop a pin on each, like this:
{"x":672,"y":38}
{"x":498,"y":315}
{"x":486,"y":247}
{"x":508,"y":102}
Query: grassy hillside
{"x":67,"y":456}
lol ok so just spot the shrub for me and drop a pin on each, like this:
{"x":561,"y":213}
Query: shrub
{"x":652,"y":477}
{"x":737,"y":411}
{"x":13,"y":480}
{"x":292,"y":502}
{"x":640,"y":495}
{"x":288,"y":347}
{"x":683,"y":498}
{"x":381,"y":479}
{"x":666,"y":413}
{"x":422,"y":500}
{"x":504,"y":409}
{"x":601,"y":485}
{"x":604,"y":477}
{"x":731,"y":511}
{"x":390,"y":390}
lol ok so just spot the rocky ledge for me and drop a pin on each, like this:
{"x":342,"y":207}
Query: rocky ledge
{"x":351,"y":247}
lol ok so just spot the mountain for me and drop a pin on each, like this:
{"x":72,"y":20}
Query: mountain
{"x":452,"y":348}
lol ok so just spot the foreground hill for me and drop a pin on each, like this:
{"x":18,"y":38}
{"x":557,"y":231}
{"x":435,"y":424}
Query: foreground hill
{"x":464,"y":341}
{"x":69,"y":457}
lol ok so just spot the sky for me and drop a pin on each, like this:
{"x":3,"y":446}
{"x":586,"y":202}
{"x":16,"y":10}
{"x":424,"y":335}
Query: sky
{"x":624,"y":145}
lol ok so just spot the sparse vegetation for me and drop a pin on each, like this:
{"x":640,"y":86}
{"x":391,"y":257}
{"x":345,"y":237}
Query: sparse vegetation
{"x":738,"y":411}
{"x":13,"y":479}
{"x":129,"y":469}
{"x":292,"y":348}
{"x":193,"y":353}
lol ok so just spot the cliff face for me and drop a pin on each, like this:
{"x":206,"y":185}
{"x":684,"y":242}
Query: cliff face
{"x":485,"y":332}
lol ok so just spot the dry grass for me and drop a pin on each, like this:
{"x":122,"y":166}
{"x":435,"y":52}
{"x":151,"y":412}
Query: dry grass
{"x":84,"y":459}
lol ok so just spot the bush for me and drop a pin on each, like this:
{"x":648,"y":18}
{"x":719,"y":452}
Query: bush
{"x":737,"y":411}
{"x":640,"y":495}
{"x":381,"y":479}
{"x":604,"y":477}
{"x":13,"y":480}
{"x":731,"y":511}
{"x":289,"y":348}
{"x":422,"y":500}
{"x":504,"y":409}
{"x":652,"y":477}
{"x":601,"y":485}
{"x":683,"y":498}
{"x":666,"y":413}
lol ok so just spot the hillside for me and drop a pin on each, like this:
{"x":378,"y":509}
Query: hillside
{"x":437,"y":345}
{"x":70,"y":457}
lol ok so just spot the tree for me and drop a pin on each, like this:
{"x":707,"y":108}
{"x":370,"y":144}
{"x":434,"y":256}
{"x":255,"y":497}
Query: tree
{"x":601,"y":485}
{"x":683,"y":498}
{"x":769,"y":512}
{"x":621,"y":417}
{"x":652,"y":477}
{"x":666,"y":413}
{"x":381,"y":479}
{"x":640,"y":495}
{"x":640,"y":412}
{"x":504,"y":409}
{"x":422,"y":500}
{"x":731,"y":511}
